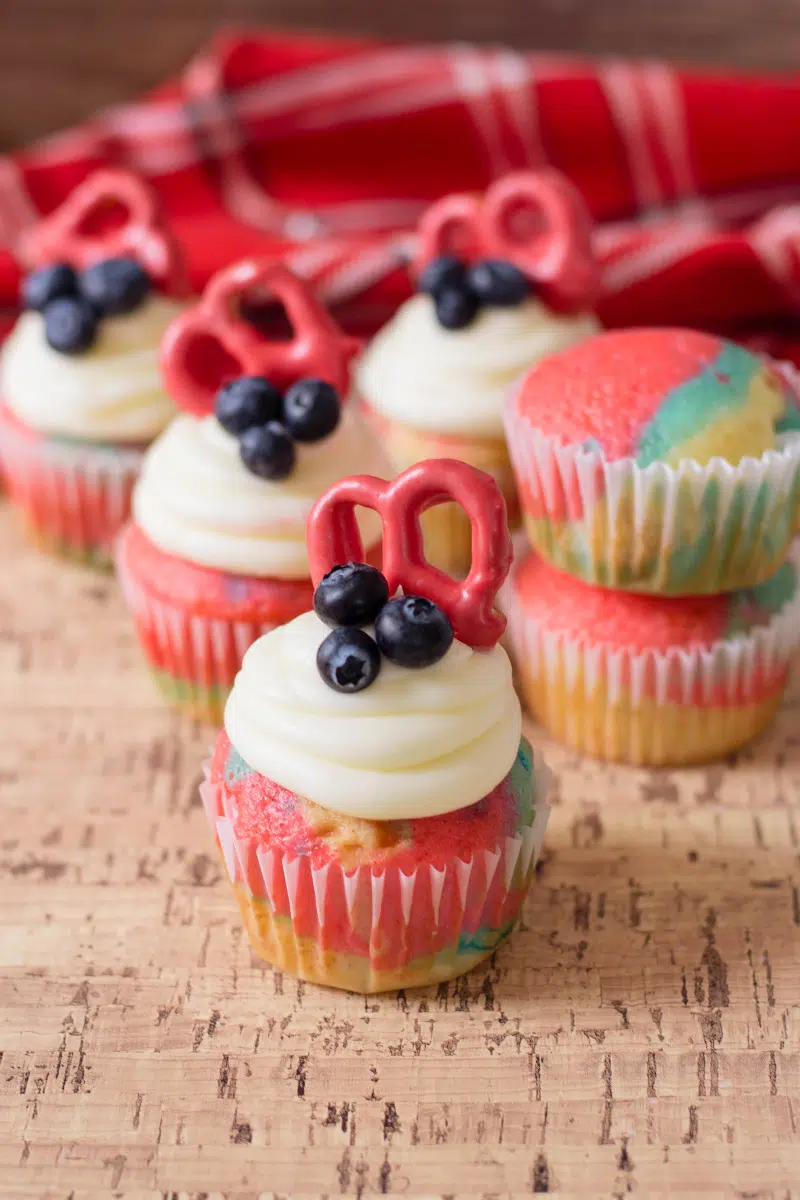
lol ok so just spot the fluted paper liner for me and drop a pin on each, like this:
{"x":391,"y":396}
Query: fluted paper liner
{"x":682,"y":530}
{"x":685,"y":704}
{"x":419,"y":914}
{"x":196,"y":657}
{"x":74,"y":497}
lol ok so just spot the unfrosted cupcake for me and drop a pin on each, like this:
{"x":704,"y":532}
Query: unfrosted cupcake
{"x":81,"y":395}
{"x":215,"y":554}
{"x":653,"y":680}
{"x":489,"y":304}
{"x":658,"y":460}
{"x":378,"y":811}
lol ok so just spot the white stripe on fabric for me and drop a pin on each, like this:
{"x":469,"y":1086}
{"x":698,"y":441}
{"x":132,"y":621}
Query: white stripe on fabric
{"x":372,"y":215}
{"x":474,"y":87}
{"x":415,"y":96}
{"x":348,"y":78}
{"x":363,"y":271}
{"x":158,"y":159}
{"x":776,"y":241}
{"x":514,"y":76}
{"x":313,"y":260}
{"x":666,"y":102}
{"x":146,"y":119}
{"x":71,"y":145}
{"x":17,"y":211}
{"x":277,"y":94}
{"x":243,"y":199}
{"x":222,"y":138}
{"x":152,"y":159}
{"x":715,"y":214}
{"x":748,"y":204}
{"x":216,"y":129}
{"x":619,"y":84}
{"x":641,"y":264}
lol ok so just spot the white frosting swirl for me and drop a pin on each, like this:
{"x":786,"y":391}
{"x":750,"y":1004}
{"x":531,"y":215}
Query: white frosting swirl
{"x":456,"y":381}
{"x":196,"y":499}
{"x":415,"y":743}
{"x":113,"y":392}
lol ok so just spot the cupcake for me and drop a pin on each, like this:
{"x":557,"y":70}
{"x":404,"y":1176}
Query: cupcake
{"x":215,"y":553}
{"x":658,"y":460}
{"x":378,"y":811}
{"x":492,"y":299}
{"x":653,"y":680}
{"x":80,"y":391}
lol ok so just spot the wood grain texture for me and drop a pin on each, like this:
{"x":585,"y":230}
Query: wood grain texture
{"x":640,"y":1034}
{"x":62,"y":59}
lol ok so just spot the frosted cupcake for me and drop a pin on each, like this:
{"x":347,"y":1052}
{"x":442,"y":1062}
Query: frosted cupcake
{"x":81,"y":393}
{"x":376,"y":806}
{"x":493,"y":298}
{"x":658,"y":460}
{"x":653,"y":680}
{"x":215,"y":554}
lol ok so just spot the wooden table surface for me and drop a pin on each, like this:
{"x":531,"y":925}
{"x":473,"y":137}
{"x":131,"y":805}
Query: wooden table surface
{"x":640,"y":1034}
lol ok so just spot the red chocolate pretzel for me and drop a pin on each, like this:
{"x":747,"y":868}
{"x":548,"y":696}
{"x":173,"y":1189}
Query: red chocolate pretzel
{"x":74,"y":232}
{"x":333,"y":537}
{"x":534,"y":219}
{"x":211,"y":342}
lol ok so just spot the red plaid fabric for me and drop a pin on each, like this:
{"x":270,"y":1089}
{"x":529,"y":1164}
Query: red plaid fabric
{"x":328,"y":150}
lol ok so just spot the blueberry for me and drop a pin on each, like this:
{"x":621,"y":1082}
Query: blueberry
{"x":446,"y":271}
{"x":247,"y":401}
{"x":413,"y":632}
{"x":70,"y":324}
{"x":311,"y":410}
{"x":48,"y":283}
{"x":352,"y":594}
{"x":498,"y":283}
{"x":115,"y":285}
{"x":348,"y":660}
{"x":267,"y":450}
{"x":455,"y":307}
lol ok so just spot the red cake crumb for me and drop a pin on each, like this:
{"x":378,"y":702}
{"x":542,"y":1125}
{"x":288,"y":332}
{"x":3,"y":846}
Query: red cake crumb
{"x":608,"y":387}
{"x":563,"y":604}
{"x":268,"y":812}
{"x":208,"y":592}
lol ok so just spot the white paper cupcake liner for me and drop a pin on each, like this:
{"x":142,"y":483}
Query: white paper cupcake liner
{"x":682,"y":530}
{"x":74,"y":497}
{"x":195,"y":658}
{"x":445,"y":919}
{"x":631,"y":705}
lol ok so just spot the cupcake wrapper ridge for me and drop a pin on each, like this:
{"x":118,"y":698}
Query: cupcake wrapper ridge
{"x":194,"y":658}
{"x":652,"y":707}
{"x":73,"y":497}
{"x":457,"y":912}
{"x":684,"y":530}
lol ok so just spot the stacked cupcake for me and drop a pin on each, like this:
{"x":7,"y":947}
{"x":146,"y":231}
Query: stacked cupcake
{"x":659,"y":478}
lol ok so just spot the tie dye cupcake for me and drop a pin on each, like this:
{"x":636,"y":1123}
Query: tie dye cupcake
{"x":215,"y":554}
{"x":653,"y":680}
{"x":378,"y":811}
{"x":495,"y":294}
{"x":658,"y":460}
{"x":82,"y":395}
